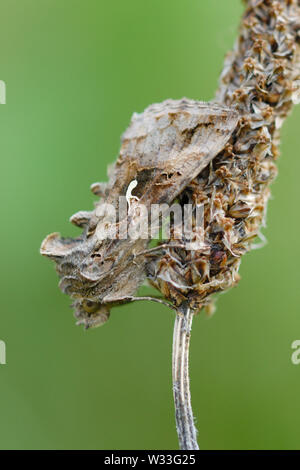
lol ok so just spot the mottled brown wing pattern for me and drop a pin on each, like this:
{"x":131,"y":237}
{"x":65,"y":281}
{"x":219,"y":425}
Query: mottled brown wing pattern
{"x":169,"y":144}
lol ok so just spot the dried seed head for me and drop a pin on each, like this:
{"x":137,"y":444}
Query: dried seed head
{"x":261,"y":79}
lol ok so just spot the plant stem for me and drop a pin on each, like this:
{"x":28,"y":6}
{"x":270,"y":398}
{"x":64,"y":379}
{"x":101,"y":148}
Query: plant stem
{"x":186,"y":430}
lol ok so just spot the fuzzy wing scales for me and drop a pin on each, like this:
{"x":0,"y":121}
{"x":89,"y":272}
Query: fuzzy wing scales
{"x":169,"y":144}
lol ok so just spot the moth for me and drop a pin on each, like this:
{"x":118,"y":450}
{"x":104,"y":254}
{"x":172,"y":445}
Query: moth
{"x":162,"y":151}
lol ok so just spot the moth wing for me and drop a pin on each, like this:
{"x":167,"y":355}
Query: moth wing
{"x":169,"y":144}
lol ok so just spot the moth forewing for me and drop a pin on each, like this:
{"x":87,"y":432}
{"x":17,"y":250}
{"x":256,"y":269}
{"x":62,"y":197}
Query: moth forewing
{"x":172,"y":143}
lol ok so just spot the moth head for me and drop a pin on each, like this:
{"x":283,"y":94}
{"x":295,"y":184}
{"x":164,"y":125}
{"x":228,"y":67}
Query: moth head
{"x":89,"y":313}
{"x":95,"y":276}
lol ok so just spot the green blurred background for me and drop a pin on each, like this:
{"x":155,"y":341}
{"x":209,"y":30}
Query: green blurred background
{"x":75,"y":71}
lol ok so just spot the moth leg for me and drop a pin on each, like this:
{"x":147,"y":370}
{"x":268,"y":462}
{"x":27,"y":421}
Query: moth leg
{"x":155,"y":299}
{"x":130,"y":298}
{"x":157,"y":248}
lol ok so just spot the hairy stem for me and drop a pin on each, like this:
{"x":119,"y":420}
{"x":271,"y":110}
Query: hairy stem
{"x":186,"y":430}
